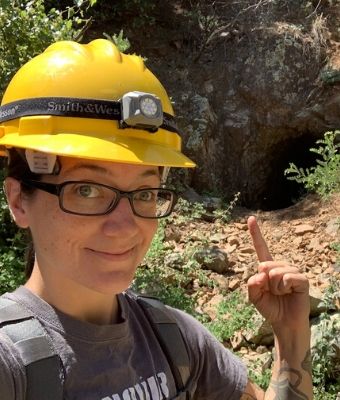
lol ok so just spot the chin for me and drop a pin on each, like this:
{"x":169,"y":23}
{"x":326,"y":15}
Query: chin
{"x":115,"y":283}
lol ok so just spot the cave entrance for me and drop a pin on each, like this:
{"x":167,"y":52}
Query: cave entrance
{"x":281,"y":192}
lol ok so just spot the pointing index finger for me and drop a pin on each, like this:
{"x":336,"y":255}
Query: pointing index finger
{"x":260,"y":245}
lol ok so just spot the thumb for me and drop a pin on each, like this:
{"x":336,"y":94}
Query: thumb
{"x":257,"y":286}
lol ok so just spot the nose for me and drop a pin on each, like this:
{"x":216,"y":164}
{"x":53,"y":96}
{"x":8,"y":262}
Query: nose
{"x":121,"y":220}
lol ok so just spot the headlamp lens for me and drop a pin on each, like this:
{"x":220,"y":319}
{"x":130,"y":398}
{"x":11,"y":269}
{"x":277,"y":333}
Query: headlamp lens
{"x":148,"y":107}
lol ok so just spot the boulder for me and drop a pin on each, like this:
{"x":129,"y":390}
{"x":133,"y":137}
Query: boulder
{"x":214,"y":259}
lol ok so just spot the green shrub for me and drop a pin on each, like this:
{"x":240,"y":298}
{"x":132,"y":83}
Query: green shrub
{"x":12,"y":263}
{"x":186,"y":211}
{"x":324,"y":178}
{"x":325,"y":369}
{"x":119,"y":40}
{"x":26,"y":29}
{"x":233,"y":314}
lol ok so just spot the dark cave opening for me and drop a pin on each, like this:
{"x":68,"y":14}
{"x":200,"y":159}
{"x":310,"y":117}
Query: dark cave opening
{"x":281,"y":192}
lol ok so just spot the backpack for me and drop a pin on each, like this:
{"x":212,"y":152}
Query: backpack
{"x":43,"y":365}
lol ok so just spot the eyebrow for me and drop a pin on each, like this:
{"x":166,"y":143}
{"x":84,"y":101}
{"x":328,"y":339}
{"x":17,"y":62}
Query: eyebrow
{"x":102,"y":170}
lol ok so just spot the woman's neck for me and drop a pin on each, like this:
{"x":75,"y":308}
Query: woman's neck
{"x":75,"y":300}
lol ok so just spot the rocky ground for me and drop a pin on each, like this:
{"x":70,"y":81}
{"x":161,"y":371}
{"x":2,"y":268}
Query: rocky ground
{"x":302,"y":234}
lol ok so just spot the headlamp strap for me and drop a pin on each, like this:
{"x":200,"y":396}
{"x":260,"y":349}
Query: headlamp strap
{"x":73,"y":107}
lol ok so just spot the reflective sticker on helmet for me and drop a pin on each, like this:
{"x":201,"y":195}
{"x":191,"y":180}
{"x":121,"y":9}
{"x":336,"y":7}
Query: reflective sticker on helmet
{"x":39,"y":162}
{"x":164,"y":175}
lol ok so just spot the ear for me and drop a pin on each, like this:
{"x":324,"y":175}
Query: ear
{"x":16,"y":202}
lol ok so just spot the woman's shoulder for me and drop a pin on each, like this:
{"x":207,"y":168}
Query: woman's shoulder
{"x":12,"y":370}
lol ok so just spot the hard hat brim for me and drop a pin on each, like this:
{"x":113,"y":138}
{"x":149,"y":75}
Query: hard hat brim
{"x":111,"y":148}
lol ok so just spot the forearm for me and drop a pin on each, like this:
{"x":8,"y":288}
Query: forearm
{"x":291,"y":377}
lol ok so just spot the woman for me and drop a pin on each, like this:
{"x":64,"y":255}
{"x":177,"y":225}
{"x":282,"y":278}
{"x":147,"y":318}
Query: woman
{"x":90,"y":135}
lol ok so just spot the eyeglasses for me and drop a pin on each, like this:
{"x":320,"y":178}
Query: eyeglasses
{"x":88,"y":198}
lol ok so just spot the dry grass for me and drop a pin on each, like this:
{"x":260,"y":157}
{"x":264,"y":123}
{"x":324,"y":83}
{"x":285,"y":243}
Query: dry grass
{"x":313,"y":35}
{"x":319,"y":34}
{"x":314,"y":43}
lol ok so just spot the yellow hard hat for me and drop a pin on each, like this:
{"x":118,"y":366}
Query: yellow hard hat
{"x":91,"y":101}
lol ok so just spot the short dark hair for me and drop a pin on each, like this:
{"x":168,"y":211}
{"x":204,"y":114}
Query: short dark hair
{"x":18,"y":169}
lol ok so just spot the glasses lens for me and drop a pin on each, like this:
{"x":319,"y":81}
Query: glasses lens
{"x":153,"y":203}
{"x":87,"y":198}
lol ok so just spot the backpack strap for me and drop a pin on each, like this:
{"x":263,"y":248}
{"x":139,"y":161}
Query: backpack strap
{"x":170,"y":339}
{"x":42,"y":364}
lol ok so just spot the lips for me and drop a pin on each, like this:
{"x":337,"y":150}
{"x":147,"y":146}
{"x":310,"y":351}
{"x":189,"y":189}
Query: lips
{"x":117,"y":255}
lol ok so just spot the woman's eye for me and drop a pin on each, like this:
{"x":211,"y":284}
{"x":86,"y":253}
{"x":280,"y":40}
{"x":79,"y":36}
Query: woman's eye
{"x":145,"y":195}
{"x":87,"y":191}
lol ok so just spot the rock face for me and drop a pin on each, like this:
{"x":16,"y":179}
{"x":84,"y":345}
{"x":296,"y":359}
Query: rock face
{"x":262,"y":104}
{"x":254,"y":84}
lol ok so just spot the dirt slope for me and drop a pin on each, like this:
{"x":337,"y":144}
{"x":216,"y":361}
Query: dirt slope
{"x":302,"y":234}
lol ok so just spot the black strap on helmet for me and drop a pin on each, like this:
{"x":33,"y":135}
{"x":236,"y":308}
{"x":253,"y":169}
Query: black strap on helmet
{"x":75,"y":107}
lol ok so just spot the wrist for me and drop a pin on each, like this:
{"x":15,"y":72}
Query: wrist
{"x":292,"y":368}
{"x":291,"y":333}
{"x":291,"y":345}
{"x":292,"y":356}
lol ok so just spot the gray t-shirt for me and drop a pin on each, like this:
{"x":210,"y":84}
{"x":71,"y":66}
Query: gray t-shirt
{"x":122,"y":361}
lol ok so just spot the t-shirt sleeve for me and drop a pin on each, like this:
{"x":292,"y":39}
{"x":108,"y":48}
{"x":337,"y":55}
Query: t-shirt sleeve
{"x":11,"y":371}
{"x":216,"y":373}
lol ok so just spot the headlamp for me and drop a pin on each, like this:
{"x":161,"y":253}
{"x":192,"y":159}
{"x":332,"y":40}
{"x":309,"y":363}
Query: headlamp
{"x":142,"y":110}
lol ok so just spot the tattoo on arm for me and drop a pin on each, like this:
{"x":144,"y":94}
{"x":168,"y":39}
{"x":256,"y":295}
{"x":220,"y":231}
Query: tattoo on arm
{"x":307,"y":363}
{"x":284,"y":388}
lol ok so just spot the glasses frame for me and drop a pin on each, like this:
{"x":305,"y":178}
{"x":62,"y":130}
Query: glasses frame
{"x":57,"y":190}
